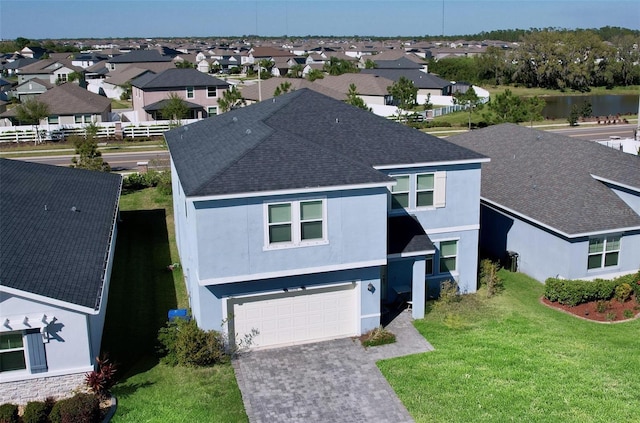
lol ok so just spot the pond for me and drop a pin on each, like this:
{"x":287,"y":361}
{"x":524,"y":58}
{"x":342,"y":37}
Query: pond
{"x":602,"y":105}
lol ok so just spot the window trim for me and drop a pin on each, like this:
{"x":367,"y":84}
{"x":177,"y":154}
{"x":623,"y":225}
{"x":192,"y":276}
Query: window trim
{"x":215,"y":91}
{"x":407,"y":192}
{"x":22,"y":348}
{"x":209,"y":114}
{"x":296,"y":225}
{"x":439,"y":191}
{"x":53,"y":119}
{"x":440,"y":256}
{"x":190,"y":92}
{"x":603,"y":254}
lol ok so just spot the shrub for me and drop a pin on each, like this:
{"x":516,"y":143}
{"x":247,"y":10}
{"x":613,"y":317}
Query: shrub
{"x":628,"y":314}
{"x":602,"y":306}
{"x":623,"y":292}
{"x":489,"y":277}
{"x":611,"y":316}
{"x":36,"y":412}
{"x":378,"y":336}
{"x":80,"y":408}
{"x":183,"y":343}
{"x":449,"y":292}
{"x":574,"y":292}
{"x":102,"y":379}
{"x":149,"y":179}
{"x":8,"y":413}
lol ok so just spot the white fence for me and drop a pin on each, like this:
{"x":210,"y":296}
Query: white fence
{"x":105,"y":130}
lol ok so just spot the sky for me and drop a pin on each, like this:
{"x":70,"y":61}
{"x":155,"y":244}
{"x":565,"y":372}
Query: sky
{"x":218,"y":18}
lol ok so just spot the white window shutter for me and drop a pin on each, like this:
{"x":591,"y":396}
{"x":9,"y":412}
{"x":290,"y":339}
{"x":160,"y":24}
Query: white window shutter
{"x":440,"y":189}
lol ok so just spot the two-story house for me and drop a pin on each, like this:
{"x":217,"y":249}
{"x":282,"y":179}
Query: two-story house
{"x":304,"y":217}
{"x":150,"y":93}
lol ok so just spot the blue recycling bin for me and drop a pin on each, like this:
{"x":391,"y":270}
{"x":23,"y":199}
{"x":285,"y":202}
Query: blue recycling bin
{"x":179,"y":313}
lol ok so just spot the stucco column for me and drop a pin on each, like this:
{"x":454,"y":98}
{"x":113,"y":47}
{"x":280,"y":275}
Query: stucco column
{"x":418,"y":288}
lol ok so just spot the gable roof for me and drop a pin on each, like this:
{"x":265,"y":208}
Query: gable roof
{"x":299,"y":140}
{"x":420,"y":79}
{"x":137,"y":56}
{"x":177,"y":78}
{"x":69,"y":99}
{"x":547,"y":177}
{"x":400,"y":63}
{"x":366,"y":84}
{"x":46,"y":248}
{"x":268,"y":87}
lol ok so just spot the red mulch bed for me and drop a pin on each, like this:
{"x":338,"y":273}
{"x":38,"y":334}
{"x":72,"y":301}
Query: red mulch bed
{"x":588,"y":310}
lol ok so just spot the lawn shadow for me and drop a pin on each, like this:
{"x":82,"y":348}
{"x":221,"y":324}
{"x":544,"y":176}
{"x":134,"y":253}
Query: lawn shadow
{"x":141,"y":292}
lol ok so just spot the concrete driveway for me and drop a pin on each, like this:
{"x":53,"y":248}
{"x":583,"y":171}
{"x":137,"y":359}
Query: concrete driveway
{"x":333,"y":381}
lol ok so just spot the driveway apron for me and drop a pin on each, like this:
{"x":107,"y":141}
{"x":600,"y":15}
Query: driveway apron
{"x":333,"y":381}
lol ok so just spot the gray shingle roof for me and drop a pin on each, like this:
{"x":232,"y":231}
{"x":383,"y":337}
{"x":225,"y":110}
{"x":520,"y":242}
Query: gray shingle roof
{"x":56,"y":253}
{"x":547,"y":177}
{"x":406,"y":235}
{"x":177,"y":78}
{"x":138,"y":56}
{"x":298,"y":140}
{"x":420,"y":79}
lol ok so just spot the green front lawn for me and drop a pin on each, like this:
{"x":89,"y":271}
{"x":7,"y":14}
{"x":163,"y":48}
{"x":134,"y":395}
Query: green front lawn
{"x":141,"y":293}
{"x":513,"y":359}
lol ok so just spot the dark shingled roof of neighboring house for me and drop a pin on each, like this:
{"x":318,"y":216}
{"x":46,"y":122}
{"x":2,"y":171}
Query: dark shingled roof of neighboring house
{"x":46,"y":248}
{"x":420,"y":79}
{"x":547,"y":177}
{"x":298,"y":140}
{"x":177,"y":78}
{"x":138,"y":56}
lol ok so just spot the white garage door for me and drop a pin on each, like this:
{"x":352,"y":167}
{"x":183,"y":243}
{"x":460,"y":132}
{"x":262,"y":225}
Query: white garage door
{"x":296,"y":317}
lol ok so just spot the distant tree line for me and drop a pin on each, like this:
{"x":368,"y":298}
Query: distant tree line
{"x":564,"y":60}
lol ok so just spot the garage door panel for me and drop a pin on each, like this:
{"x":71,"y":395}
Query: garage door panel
{"x":297,"y":317}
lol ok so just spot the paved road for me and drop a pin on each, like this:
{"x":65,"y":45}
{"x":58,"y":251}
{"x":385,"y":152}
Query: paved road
{"x":598,"y":132}
{"x":120,"y":162}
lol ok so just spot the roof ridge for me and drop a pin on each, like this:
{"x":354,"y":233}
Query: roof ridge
{"x":249,"y":150}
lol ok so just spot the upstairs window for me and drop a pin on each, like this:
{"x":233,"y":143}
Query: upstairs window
{"x":296,"y":223}
{"x":12,"y":352}
{"x":603,"y":252}
{"x":212,"y":92}
{"x":190,"y":92}
{"x":419,"y":191}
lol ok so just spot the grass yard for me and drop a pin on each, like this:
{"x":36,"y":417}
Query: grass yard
{"x":511,"y":358}
{"x":142,"y":291}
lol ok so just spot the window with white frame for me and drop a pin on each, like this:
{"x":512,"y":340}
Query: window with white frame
{"x":448,"y":256}
{"x":62,"y":77}
{"x":53,"y":119}
{"x":418,"y":191}
{"x":212,"y":111}
{"x":603,"y":252}
{"x":12,"y":352}
{"x":212,"y":92}
{"x":82,"y":118}
{"x":400,"y":192}
{"x":190,"y":92}
{"x":296,"y":223}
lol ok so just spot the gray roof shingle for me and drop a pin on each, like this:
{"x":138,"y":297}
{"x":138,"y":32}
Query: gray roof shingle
{"x":46,"y":248}
{"x":177,"y":78}
{"x":547,"y":177}
{"x":298,"y":140}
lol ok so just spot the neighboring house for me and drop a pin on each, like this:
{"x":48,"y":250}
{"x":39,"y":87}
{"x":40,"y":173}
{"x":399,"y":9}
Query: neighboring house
{"x":33,"y":52}
{"x":200,"y":92}
{"x":58,"y":232}
{"x":371,"y":88}
{"x":266,"y":89}
{"x":69,"y":104}
{"x":137,"y":57}
{"x":31,"y":88}
{"x":426,"y":83}
{"x":115,"y":82}
{"x":307,"y":218}
{"x":86,"y":60}
{"x":56,"y":71}
{"x":12,"y":66}
{"x":569,"y":208}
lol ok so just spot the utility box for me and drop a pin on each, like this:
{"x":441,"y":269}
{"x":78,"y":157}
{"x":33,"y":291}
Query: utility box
{"x":512,"y":261}
{"x":179,"y":313}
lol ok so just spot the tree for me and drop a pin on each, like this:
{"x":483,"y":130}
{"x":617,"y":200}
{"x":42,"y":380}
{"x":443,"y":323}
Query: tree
{"x":175,"y":109}
{"x":469,"y":99}
{"x":336,"y":66}
{"x":507,"y":107}
{"x":185,"y":64}
{"x":87,"y":149}
{"x":404,"y":93}
{"x":353,"y":98}
{"x":264,"y":68}
{"x":283,"y":88}
{"x":31,"y":112}
{"x":315,"y":74}
{"x":370,"y":64}
{"x":533,"y":108}
{"x":231,"y":99}
{"x":295,"y":71}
